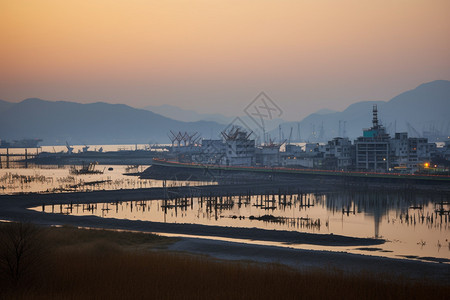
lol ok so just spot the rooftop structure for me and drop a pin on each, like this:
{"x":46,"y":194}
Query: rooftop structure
{"x":240,"y":149}
{"x":373,"y":148}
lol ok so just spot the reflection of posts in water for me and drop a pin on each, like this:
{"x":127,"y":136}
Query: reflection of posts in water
{"x":377,"y":215}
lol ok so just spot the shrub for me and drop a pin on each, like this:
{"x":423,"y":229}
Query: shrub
{"x":21,"y":253}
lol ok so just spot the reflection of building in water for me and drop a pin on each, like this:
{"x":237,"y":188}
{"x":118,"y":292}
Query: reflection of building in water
{"x":377,"y":216}
{"x":395,"y":214}
{"x":378,"y":205}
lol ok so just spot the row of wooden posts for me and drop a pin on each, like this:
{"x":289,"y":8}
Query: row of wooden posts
{"x":8,"y":157}
{"x":211,"y":201}
{"x":265,"y":201}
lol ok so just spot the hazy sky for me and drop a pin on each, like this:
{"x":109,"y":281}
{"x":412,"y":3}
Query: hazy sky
{"x":217,"y":55}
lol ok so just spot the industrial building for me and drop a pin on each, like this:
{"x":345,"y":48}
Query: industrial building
{"x":239,"y":148}
{"x":374,"y":151}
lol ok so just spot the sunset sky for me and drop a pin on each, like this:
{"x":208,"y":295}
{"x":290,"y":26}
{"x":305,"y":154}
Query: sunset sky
{"x":215,"y":56}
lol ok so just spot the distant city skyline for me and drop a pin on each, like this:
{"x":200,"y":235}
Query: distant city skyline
{"x":216,"y":56}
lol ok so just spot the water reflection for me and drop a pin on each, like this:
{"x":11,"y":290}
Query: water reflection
{"x":59,"y":179}
{"x":413,"y":224}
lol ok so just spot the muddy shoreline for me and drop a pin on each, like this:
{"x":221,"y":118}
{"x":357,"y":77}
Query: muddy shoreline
{"x":16,"y":208}
{"x":301,"y":259}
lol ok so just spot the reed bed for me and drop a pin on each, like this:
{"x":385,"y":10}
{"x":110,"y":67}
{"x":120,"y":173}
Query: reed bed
{"x":91,"y":264}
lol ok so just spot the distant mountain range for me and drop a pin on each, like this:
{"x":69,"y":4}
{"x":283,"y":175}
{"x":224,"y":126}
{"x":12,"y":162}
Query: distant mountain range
{"x":425,"y":108}
{"x":185,"y":115}
{"x":95,"y":123}
{"x":4,"y":105}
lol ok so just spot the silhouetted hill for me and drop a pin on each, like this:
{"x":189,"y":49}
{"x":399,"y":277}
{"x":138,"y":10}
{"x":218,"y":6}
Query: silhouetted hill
{"x":185,"y":115}
{"x":425,"y":108}
{"x":325,"y":111}
{"x":100,"y":123}
{"x":177,"y":113}
{"x":4,"y":105}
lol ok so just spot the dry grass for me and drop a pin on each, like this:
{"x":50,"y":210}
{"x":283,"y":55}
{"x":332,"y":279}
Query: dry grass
{"x":74,"y":238}
{"x":109,"y":265}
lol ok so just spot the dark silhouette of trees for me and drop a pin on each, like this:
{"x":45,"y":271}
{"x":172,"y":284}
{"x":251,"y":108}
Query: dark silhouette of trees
{"x":21,"y":253}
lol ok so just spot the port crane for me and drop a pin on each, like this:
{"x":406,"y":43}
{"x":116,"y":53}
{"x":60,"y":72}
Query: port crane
{"x":290,"y":136}
{"x":69,"y":148}
{"x":412,"y":130}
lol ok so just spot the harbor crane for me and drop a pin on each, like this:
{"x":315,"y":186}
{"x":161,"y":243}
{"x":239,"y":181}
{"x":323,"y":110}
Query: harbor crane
{"x":69,"y":148}
{"x":290,"y":136}
{"x":412,"y":130}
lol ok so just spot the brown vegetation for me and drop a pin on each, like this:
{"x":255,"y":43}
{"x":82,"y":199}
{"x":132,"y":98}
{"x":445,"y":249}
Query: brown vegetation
{"x":84,"y":264}
{"x":21,"y":253}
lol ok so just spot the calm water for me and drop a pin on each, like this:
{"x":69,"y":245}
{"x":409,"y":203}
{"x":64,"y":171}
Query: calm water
{"x":12,"y":161}
{"x":55,"y":179}
{"x":412,"y":224}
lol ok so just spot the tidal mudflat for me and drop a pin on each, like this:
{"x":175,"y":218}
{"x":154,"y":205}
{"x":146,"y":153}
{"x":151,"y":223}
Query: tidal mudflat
{"x":407,"y":226}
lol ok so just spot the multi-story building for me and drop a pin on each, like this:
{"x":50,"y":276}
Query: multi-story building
{"x":375,"y":151}
{"x":372,"y":150}
{"x":292,"y":150}
{"x":409,"y":153}
{"x":312,"y":149}
{"x":212,"y":152}
{"x":400,"y":150}
{"x":239,"y":148}
{"x":268,"y":155}
{"x":446,"y":150}
{"x":338,"y":152}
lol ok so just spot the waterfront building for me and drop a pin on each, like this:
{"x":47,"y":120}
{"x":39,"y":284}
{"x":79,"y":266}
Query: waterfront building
{"x":239,"y":148}
{"x":408,"y":153}
{"x":372,"y":150}
{"x":268,"y":155}
{"x":292,"y":150}
{"x":446,"y":150}
{"x":375,"y":151}
{"x":312,"y":149}
{"x":338,"y":154}
{"x":212,"y":152}
{"x":288,"y":158}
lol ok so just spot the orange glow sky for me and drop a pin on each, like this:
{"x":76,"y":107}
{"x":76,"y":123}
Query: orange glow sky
{"x":217,"y":55}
